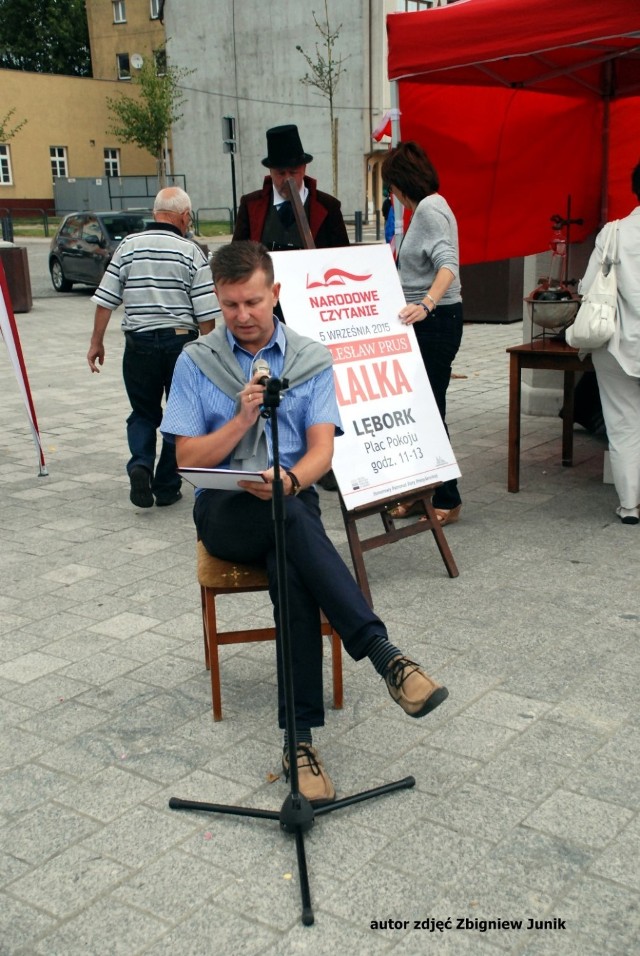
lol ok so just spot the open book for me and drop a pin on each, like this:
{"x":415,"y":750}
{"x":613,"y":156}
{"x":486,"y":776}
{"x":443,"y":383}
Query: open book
{"x":221,"y":479}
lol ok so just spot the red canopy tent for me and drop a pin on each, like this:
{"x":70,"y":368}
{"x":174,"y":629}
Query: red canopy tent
{"x":521,"y":105}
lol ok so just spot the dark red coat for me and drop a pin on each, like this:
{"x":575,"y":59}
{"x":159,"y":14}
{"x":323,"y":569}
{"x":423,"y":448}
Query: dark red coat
{"x":325,"y":219}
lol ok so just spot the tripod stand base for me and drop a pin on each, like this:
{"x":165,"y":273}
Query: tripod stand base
{"x":296,"y":816}
{"x":296,"y":813}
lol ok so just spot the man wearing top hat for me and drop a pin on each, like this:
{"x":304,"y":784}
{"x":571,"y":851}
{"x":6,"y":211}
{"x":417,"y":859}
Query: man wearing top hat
{"x":267,"y":215}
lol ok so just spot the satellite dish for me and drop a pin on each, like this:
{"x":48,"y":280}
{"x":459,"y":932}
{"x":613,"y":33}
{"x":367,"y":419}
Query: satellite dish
{"x":136,"y":61}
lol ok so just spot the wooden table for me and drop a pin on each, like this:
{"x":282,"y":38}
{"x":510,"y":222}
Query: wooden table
{"x":551,"y":354}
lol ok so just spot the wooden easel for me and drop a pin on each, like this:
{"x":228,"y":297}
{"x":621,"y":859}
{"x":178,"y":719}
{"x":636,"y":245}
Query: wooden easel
{"x":429,"y":521}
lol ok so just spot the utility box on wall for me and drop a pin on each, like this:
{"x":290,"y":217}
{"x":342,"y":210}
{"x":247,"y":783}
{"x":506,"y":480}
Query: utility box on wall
{"x":80,"y":194}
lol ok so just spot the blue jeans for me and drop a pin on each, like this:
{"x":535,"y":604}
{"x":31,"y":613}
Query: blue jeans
{"x":236,"y":526}
{"x":439,"y":337}
{"x":147,"y":367}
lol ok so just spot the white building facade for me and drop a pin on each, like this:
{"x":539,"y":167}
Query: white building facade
{"x":245,"y":64}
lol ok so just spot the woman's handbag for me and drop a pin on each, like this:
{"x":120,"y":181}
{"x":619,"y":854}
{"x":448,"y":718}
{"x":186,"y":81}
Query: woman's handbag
{"x":595,"y":320}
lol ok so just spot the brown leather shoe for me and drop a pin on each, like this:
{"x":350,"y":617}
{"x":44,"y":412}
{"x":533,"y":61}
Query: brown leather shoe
{"x":412,"y":689}
{"x":314,"y":782}
{"x":448,"y":515}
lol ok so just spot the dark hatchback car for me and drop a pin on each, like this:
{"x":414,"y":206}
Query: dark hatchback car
{"x":83,"y":245}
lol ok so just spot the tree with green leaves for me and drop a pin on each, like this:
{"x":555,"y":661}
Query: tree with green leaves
{"x":325,"y":72}
{"x":147,"y":120}
{"x":45,"y":36}
{"x":8,"y":132}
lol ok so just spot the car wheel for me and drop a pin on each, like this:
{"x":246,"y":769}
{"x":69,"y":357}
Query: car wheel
{"x":60,"y":284}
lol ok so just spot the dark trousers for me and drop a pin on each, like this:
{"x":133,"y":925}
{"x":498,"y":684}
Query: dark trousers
{"x":147,"y":367}
{"x":239,"y":527}
{"x":439,"y":337}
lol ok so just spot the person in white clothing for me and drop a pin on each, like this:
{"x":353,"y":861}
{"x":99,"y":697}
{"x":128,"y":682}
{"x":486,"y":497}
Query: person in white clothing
{"x":617,"y":364}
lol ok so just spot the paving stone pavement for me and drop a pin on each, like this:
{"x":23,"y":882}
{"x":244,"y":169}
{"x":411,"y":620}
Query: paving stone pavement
{"x":526,"y":799}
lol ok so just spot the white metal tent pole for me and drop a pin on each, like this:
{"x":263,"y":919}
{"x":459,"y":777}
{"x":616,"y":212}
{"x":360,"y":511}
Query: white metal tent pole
{"x":398,"y":208}
{"x":395,"y":114}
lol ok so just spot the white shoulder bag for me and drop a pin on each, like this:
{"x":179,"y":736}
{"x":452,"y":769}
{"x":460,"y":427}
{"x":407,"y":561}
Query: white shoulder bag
{"x":595,"y":321}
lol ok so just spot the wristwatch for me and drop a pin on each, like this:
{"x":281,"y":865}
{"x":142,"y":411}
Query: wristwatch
{"x":296,"y":487}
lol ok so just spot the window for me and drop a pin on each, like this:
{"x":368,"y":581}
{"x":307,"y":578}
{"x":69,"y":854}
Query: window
{"x":71,"y":228}
{"x":58,"y":156}
{"x":112,"y":162}
{"x":413,"y":6}
{"x":91,"y":231}
{"x":119,"y":11}
{"x":120,"y":225}
{"x":160,"y":57}
{"x":124,"y":67}
{"x":5,"y":167}
{"x":154,"y":9}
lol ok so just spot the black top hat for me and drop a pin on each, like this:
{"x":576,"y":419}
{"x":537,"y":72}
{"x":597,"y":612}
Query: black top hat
{"x":284,"y":148}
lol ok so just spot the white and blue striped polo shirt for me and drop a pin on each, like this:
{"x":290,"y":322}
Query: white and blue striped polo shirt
{"x":163,"y":280}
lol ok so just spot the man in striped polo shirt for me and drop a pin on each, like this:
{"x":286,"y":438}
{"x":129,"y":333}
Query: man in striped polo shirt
{"x":164,"y":282}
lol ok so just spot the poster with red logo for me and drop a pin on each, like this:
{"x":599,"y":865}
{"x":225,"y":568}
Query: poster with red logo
{"x":349,"y":299}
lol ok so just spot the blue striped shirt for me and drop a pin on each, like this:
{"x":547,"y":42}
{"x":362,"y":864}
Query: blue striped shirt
{"x":198,"y":407}
{"x":163,"y":279}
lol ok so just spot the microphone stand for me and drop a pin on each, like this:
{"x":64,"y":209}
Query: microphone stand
{"x":296,"y":814}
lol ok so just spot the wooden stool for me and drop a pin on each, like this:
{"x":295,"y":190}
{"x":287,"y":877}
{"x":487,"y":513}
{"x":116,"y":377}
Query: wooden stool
{"x":215,"y":577}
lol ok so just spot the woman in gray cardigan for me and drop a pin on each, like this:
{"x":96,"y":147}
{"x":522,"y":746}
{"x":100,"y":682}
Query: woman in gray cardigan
{"x":428,"y":266}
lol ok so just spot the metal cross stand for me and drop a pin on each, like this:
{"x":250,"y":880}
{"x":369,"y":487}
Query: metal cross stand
{"x":296,"y":815}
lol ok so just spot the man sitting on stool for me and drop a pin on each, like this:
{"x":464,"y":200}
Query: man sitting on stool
{"x":213,"y":414}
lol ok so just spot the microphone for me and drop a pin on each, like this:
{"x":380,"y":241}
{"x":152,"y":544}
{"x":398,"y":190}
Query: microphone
{"x":262,"y":368}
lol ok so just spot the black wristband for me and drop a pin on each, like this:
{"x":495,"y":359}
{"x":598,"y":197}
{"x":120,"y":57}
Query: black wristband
{"x":296,"y":487}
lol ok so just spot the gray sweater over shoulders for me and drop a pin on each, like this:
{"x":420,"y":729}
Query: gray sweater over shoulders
{"x":430,"y":242}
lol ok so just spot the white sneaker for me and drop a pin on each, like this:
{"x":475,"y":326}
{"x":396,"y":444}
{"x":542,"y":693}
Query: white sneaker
{"x":628,"y":515}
